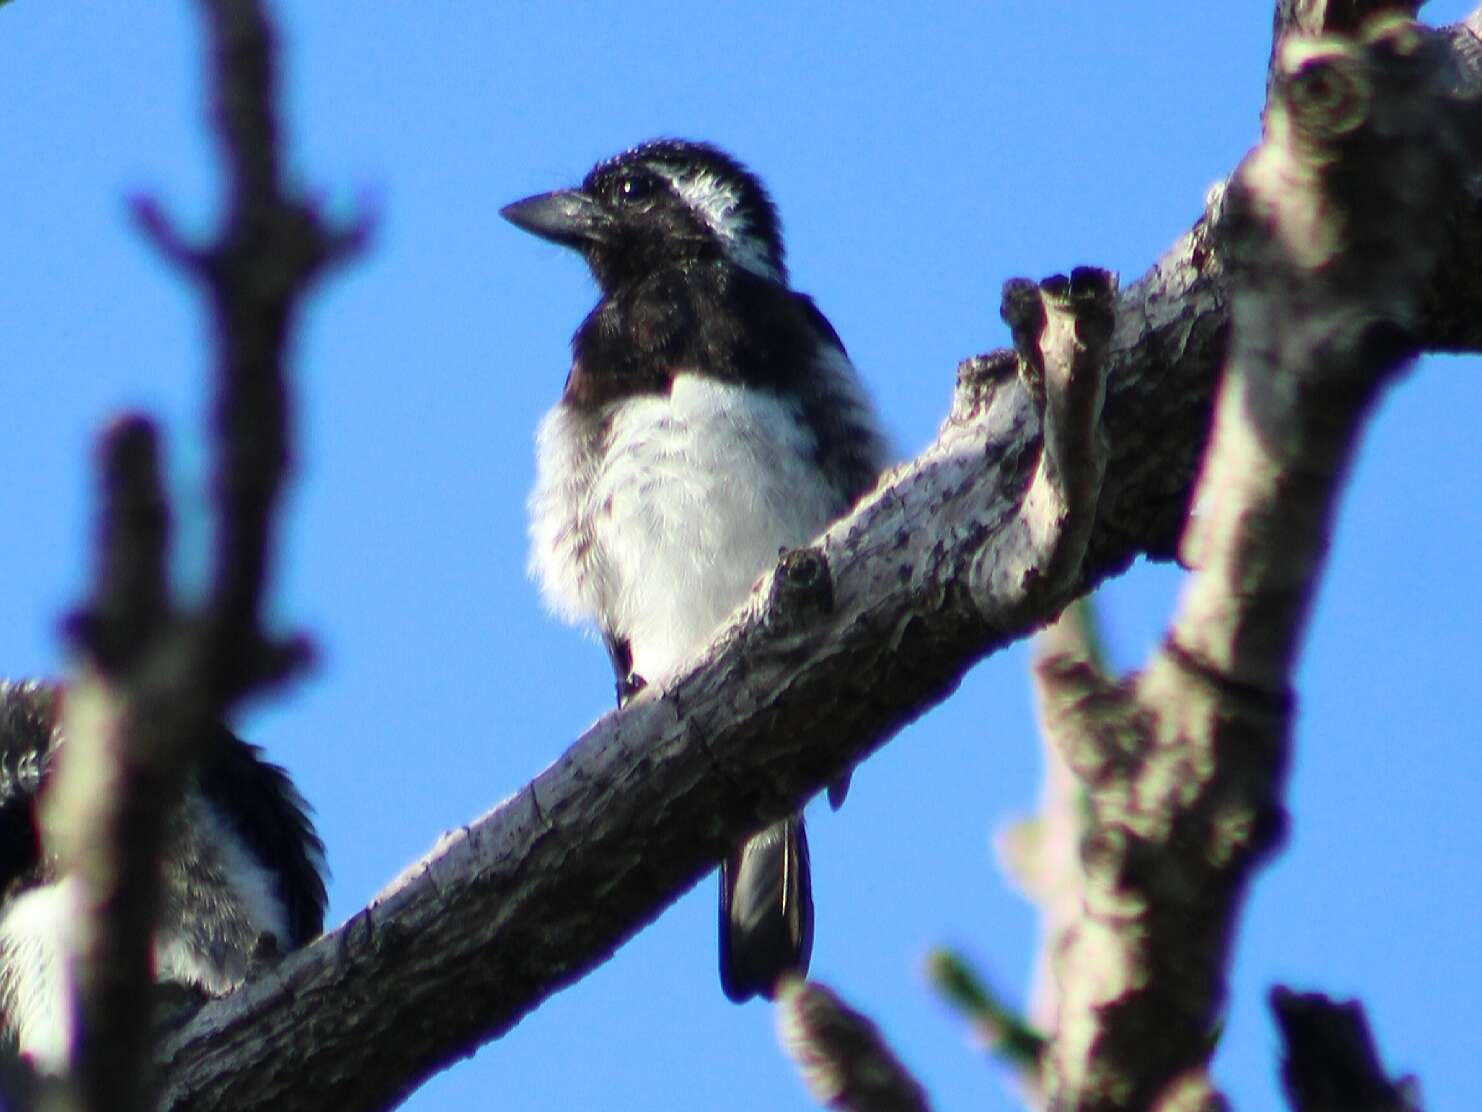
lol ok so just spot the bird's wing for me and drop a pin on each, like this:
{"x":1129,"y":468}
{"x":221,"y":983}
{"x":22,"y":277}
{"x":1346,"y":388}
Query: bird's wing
{"x":273,"y":820}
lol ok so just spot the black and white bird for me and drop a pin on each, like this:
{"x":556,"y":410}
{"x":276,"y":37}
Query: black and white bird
{"x":242,"y":861}
{"x":710,"y":419}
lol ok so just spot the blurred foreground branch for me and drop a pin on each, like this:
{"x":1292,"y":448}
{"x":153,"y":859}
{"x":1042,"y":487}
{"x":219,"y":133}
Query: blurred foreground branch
{"x":157,"y":674}
{"x":844,"y":1059}
{"x":1330,"y":1061}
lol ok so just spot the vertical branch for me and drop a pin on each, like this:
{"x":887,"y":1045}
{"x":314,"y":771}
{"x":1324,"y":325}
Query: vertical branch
{"x":101,"y":817}
{"x":1062,"y":328}
{"x":1330,"y":230}
{"x":271,"y":248}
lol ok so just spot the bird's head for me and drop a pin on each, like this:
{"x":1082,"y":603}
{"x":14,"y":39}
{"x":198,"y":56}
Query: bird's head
{"x":664,"y":203}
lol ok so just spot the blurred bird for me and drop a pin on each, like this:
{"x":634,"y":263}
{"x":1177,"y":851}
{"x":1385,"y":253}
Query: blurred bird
{"x":242,"y":861}
{"x":710,"y":419}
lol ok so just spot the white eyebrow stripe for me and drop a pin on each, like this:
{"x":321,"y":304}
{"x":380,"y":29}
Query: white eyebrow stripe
{"x":719,"y":204}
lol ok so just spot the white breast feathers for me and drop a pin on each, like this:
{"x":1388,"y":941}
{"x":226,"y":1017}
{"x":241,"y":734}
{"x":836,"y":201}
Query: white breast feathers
{"x":657,"y":526}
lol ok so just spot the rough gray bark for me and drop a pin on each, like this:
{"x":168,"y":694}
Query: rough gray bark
{"x":1331,"y":233}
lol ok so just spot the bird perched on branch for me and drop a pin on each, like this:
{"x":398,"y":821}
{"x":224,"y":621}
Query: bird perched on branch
{"x":241,"y":861}
{"x":710,"y":419}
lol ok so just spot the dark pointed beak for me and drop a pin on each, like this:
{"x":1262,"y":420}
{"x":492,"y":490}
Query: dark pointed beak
{"x":568,"y":217}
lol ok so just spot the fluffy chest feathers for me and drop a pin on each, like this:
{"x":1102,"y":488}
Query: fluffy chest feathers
{"x":654,"y":515}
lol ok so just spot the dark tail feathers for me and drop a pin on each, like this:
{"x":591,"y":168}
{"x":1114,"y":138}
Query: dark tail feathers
{"x":766,"y":911}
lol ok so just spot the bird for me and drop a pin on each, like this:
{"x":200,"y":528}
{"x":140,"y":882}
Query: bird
{"x":241,"y":862}
{"x":710,"y":419}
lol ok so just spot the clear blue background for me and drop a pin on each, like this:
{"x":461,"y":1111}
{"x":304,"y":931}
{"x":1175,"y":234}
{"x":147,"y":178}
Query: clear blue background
{"x":920,"y":157}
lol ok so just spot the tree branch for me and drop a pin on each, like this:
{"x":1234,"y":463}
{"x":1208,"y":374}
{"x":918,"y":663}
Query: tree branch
{"x":104,"y":814}
{"x":842,"y":1056}
{"x":996,"y":1025}
{"x":1061,"y":331}
{"x":157,"y":677}
{"x":1331,"y":232}
{"x":510,"y":908}
{"x":1330,"y":1061}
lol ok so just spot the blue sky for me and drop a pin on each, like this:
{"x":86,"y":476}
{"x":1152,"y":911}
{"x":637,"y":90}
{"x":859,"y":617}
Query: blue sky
{"x":918,"y":160}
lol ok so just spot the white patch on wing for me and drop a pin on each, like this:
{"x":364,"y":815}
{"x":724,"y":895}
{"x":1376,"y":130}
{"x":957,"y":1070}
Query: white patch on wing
{"x":255,"y":909}
{"x":38,"y":936}
{"x":718,"y":202}
{"x":37,"y":940}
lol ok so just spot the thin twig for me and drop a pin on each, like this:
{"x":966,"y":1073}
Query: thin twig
{"x":842,"y":1056}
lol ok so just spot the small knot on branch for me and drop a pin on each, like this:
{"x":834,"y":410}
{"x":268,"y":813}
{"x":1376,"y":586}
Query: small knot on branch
{"x":802,"y":590}
{"x":1059,"y":324}
{"x":1324,"y":89}
{"x":978,"y":382}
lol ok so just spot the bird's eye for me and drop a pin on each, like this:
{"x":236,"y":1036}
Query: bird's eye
{"x":631,"y":190}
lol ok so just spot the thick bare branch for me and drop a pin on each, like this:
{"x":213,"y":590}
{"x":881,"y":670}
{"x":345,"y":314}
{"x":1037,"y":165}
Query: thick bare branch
{"x":1331,"y":228}
{"x":528,"y":898}
{"x":1309,"y":18}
